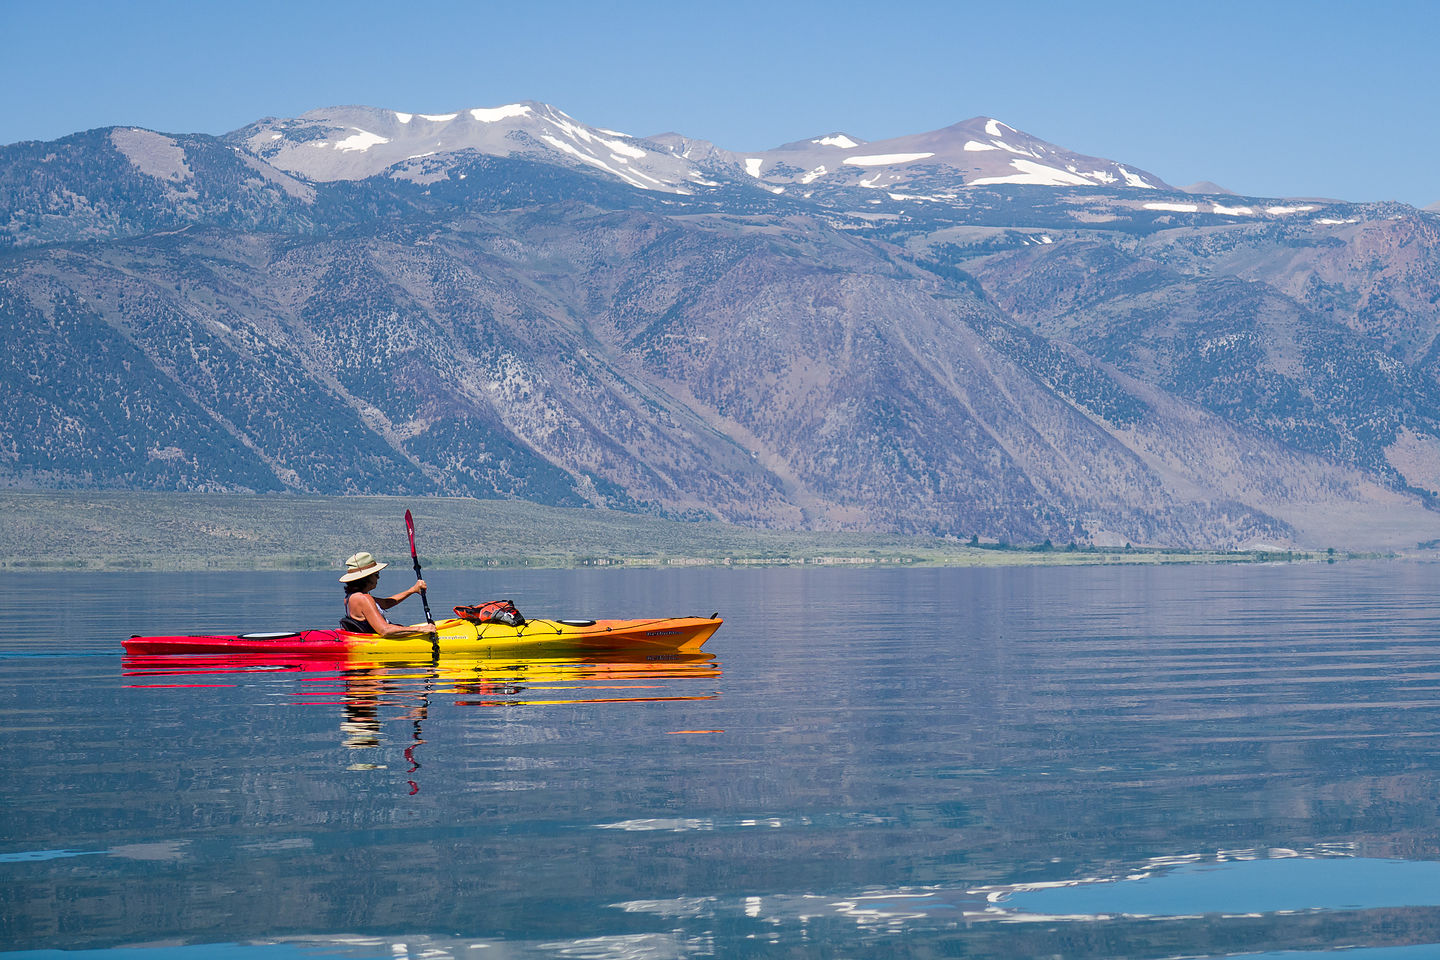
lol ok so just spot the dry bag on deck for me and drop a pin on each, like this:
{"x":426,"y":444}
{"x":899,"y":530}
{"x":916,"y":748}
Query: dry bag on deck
{"x":496,"y":611}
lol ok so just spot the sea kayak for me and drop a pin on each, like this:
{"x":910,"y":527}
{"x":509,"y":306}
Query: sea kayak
{"x":534,"y":638}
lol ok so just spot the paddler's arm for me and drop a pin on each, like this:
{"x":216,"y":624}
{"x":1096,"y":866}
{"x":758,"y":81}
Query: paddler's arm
{"x":390,"y":630}
{"x":386,"y":603}
{"x":397,"y":632}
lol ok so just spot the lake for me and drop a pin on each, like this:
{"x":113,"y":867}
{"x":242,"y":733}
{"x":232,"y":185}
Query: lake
{"x":1104,"y":762}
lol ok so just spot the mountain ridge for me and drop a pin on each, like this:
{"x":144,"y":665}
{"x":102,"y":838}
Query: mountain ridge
{"x":1018,"y":361}
{"x":355,"y":142}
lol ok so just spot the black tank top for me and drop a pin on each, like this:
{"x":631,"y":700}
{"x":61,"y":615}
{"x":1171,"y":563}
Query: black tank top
{"x":350,"y":624}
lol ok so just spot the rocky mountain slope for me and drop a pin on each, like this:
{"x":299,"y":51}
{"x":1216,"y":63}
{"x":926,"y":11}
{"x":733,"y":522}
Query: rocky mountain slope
{"x":1000,"y":338}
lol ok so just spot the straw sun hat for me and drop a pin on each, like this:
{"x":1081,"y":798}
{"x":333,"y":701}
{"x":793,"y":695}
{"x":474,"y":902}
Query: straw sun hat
{"x":361,"y":565}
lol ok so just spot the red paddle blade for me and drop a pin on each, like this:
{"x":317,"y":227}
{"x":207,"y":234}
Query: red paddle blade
{"x":410,"y":529}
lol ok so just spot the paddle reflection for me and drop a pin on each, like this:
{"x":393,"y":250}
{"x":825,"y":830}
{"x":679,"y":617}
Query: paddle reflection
{"x":371,"y":693}
{"x":368,"y":691}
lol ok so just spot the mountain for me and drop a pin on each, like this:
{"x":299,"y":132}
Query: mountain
{"x":978,"y":152}
{"x":119,"y":182}
{"x":509,"y":303}
{"x":1206,"y":186}
{"x":354,"y":143}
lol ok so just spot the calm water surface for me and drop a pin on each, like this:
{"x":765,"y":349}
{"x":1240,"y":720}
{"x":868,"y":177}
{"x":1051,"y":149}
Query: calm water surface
{"x":1089,"y":763}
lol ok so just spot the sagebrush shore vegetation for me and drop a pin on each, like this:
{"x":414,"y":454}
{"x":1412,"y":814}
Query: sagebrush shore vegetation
{"x":114,"y":530}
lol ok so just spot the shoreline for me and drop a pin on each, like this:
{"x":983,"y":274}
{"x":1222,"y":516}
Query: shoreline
{"x":96,"y":531}
{"x":982,"y":557}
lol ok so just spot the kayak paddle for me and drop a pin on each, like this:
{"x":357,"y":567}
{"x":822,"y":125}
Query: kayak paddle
{"x":410,"y":529}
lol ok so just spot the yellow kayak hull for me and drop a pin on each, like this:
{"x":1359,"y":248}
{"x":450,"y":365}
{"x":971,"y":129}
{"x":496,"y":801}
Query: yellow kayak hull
{"x":537,"y":638}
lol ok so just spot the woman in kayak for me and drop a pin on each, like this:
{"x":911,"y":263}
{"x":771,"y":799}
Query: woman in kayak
{"x":362,"y":611}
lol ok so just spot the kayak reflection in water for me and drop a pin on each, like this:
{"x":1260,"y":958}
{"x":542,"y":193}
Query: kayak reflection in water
{"x":362,"y":611}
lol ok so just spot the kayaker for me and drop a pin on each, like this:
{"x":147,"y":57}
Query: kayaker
{"x":362,"y":611}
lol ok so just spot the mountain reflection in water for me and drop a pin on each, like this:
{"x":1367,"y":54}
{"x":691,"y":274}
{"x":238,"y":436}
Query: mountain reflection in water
{"x":1098,"y":764}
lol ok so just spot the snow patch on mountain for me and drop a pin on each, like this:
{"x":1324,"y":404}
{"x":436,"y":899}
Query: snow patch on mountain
{"x":633,"y":177}
{"x":360,"y":140}
{"x":1002,"y":145}
{"x":1036,"y":174}
{"x":579,"y":132}
{"x":837,"y":140}
{"x":886,"y":159}
{"x":1134,"y":179}
{"x":496,"y":114}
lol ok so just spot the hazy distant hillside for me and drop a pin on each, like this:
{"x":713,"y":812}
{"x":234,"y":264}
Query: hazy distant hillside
{"x":283,"y":309}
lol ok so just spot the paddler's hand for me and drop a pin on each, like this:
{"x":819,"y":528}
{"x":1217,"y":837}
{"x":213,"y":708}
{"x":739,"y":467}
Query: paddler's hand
{"x":419,"y":587}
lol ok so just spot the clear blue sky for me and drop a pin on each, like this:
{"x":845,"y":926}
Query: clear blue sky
{"x":1280,"y":98}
